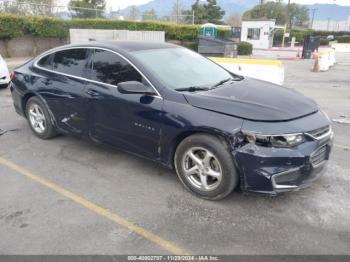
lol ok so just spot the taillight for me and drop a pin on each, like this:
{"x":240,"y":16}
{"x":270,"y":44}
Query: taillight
{"x":12,"y":75}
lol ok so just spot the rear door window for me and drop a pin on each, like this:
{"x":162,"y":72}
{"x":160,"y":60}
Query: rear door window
{"x":110,"y":68}
{"x":72,"y":62}
{"x":46,"y":62}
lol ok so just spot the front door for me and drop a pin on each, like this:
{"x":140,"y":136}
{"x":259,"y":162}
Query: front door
{"x":128,"y":121}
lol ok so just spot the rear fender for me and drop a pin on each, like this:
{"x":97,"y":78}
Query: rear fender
{"x":38,"y":95}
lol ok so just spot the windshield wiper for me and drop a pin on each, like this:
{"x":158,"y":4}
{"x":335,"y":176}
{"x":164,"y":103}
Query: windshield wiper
{"x":192,"y":89}
{"x":222,"y":82}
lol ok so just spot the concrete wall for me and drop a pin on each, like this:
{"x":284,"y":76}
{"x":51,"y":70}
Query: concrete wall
{"x":28,"y":46}
{"x":266,"y":70}
{"x":83,"y":35}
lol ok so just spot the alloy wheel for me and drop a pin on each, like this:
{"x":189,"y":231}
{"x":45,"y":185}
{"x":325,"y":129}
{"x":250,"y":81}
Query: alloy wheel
{"x":37,"y":118}
{"x":202,"y":168}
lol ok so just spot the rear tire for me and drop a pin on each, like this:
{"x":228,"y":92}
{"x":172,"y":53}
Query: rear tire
{"x":39,"y":119}
{"x":205,"y":167}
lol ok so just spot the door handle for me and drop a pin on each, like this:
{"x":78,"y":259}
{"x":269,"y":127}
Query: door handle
{"x":94,"y":94}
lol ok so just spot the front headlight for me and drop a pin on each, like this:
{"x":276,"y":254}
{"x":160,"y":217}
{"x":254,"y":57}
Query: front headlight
{"x":289,"y":140}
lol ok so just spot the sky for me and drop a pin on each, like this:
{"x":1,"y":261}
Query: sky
{"x":115,"y":4}
{"x":124,"y":3}
{"x":310,"y":2}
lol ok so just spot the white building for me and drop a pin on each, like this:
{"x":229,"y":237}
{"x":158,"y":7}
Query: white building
{"x":258,"y":32}
{"x":331,"y":25}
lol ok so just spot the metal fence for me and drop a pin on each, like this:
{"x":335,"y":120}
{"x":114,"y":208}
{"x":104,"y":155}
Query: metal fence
{"x":331,"y":25}
{"x":48,"y":8}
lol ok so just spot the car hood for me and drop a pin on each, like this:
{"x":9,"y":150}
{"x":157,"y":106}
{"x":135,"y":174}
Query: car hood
{"x":254,"y":100}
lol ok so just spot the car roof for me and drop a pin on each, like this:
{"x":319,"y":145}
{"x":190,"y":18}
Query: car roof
{"x":126,"y":46}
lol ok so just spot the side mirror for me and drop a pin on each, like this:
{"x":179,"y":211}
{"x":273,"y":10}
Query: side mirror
{"x":134,"y":87}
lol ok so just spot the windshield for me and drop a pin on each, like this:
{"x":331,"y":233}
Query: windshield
{"x":180,"y":68}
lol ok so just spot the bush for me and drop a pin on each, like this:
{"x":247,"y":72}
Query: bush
{"x":324,"y":41}
{"x":244,"y":48}
{"x":224,"y":33}
{"x":327,"y":33}
{"x":297,"y":33}
{"x":12,"y":26}
{"x":46,"y":27}
{"x":343,"y":39}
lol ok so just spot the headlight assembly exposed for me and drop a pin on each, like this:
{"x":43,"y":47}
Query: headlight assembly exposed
{"x":289,"y":140}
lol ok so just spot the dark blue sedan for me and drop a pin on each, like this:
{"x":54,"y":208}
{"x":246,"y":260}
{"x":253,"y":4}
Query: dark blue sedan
{"x":171,"y":105}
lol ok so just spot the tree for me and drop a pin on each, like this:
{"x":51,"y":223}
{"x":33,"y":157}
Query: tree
{"x":86,"y":8}
{"x":297,"y":15}
{"x":291,"y":14}
{"x":208,"y":12}
{"x":176,"y":11}
{"x":149,"y":15}
{"x":269,"y":10}
{"x":133,"y":13}
{"x":234,"y":19}
{"x":215,"y":13}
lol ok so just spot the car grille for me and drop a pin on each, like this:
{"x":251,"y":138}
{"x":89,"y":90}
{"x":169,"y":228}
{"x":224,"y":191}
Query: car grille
{"x":317,"y":133}
{"x":288,"y":177}
{"x":319,"y":156}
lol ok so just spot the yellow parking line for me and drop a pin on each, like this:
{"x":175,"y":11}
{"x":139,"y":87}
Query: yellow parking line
{"x":342,"y":146}
{"x":165,"y":244}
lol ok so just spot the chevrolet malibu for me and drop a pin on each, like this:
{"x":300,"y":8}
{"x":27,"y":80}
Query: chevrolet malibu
{"x":218,"y":130}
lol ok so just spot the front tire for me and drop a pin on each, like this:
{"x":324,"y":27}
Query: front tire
{"x":39,"y":119}
{"x":205,"y":167}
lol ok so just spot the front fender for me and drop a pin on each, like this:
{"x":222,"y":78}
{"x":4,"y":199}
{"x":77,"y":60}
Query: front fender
{"x":189,"y":120}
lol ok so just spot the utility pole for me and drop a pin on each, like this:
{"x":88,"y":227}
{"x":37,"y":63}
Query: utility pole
{"x":313,"y":16}
{"x":193,"y":17}
{"x":328,"y":20}
{"x":284,"y":34}
{"x":289,"y":16}
{"x":177,"y":11}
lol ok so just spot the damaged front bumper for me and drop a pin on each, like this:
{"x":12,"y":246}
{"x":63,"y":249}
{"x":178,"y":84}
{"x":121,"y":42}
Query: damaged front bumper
{"x":271,"y":170}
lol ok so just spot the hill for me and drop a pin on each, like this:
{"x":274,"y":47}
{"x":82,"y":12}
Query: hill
{"x":163,"y":8}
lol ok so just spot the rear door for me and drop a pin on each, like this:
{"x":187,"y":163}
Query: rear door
{"x":129,"y":121}
{"x":63,"y":88}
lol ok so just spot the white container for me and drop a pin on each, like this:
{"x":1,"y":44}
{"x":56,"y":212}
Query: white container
{"x":266,"y":70}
